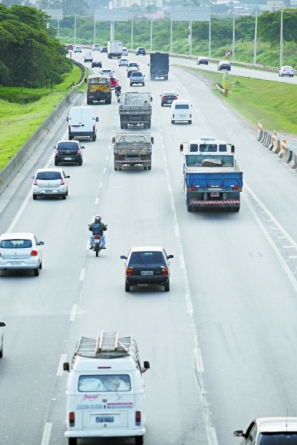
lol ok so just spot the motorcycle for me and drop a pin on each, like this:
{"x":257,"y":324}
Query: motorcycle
{"x":118,"y":94}
{"x":97,"y":244}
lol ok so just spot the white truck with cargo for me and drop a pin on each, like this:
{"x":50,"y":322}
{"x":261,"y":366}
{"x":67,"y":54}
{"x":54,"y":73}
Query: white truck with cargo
{"x":105,"y":389}
{"x":114,"y":49}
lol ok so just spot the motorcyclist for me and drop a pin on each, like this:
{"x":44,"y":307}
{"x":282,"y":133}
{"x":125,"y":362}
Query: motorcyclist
{"x":97,"y":227}
{"x":118,"y":89}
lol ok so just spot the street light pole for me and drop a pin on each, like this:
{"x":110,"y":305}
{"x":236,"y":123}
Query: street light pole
{"x":190,"y":38}
{"x":233,"y":39}
{"x":255,"y":40}
{"x":209,"y":37}
{"x":132,"y":33}
{"x":151,"y":41}
{"x":281,"y":41}
{"x":74,"y":37}
{"x":94,"y":30}
{"x":171,"y":34}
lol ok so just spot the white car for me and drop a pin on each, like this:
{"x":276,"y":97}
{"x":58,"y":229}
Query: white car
{"x":88,"y":57}
{"x":96,"y":47}
{"x":286,"y":71}
{"x":77,"y":49}
{"x":20,"y":251}
{"x":123,"y":62}
{"x":50,"y":181}
{"x":107,"y":73}
{"x":124,"y":51}
{"x":1,"y":338}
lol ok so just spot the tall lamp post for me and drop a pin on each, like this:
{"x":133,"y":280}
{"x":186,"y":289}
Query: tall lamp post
{"x":209,"y":37}
{"x":255,"y":39}
{"x":233,"y":39}
{"x":132,"y":30}
{"x":281,"y":40}
{"x":74,"y":37}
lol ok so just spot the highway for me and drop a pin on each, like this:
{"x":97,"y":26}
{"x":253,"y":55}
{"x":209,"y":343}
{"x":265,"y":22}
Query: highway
{"x":221,"y":343}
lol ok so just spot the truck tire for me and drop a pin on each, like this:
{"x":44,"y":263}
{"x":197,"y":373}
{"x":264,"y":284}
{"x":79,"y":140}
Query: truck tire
{"x":167,"y":286}
{"x":70,"y":138}
{"x":72,"y":441}
{"x":94,"y":138}
{"x":190,"y":122}
{"x":149,"y":167}
{"x":138,"y":440}
{"x":190,"y":208}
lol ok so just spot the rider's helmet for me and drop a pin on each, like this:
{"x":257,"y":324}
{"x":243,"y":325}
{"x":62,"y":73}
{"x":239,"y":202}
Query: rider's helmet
{"x":97,"y":218}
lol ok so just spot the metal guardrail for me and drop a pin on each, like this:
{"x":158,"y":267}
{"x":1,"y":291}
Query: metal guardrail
{"x":15,"y":164}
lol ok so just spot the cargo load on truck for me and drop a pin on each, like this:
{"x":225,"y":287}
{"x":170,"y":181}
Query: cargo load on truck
{"x":135,"y":109}
{"x":132,"y":149}
{"x":98,"y":89}
{"x":159,"y":65}
{"x":114,"y":49}
{"x":212,"y":175}
{"x":105,"y":389}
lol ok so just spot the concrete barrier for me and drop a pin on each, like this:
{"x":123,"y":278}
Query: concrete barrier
{"x":19,"y":159}
{"x":293,"y":162}
{"x":277,"y":147}
{"x":259,"y":130}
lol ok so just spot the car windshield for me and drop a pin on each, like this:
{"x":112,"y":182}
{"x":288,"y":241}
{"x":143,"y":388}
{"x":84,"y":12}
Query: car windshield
{"x":48,"y":175}
{"x":285,"y":438}
{"x":104,"y":383}
{"x":147,"y":258}
{"x":16,"y":243}
{"x":68,"y":146}
{"x":181,"y":107}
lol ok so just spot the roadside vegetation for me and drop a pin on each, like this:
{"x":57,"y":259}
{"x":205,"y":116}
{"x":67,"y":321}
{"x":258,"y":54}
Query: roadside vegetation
{"x":273,"y":103}
{"x":23,"y":110}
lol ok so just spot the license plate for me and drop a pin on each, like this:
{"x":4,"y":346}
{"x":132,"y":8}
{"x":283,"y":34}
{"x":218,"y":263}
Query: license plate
{"x":104,"y":419}
{"x":147,"y":272}
{"x":48,"y":191}
{"x":68,"y":159}
{"x":214,"y":195}
{"x":16,"y":263}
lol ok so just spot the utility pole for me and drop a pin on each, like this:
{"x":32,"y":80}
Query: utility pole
{"x":171,"y":34}
{"x":255,"y":39}
{"x":233,"y":39}
{"x":94,"y":30}
{"x":74,"y":37}
{"x":281,"y":40}
{"x":209,"y":36}
{"x":132,"y":30}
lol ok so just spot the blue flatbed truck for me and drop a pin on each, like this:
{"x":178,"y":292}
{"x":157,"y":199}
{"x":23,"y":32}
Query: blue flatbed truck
{"x":212,"y":180}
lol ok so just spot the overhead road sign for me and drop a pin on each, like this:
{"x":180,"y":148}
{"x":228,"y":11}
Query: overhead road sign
{"x":55,"y":14}
{"x":188,"y":14}
{"x":111,"y":15}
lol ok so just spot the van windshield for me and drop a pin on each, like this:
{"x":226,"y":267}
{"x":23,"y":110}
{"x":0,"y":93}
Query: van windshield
{"x":104,"y":383}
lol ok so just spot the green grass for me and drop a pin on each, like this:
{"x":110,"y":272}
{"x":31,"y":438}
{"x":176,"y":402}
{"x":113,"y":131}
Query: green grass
{"x":23,"y":110}
{"x":273,"y":103}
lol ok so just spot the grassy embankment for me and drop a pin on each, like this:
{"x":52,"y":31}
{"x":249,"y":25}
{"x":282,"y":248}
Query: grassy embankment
{"x":273,"y":103}
{"x":22,"y":111}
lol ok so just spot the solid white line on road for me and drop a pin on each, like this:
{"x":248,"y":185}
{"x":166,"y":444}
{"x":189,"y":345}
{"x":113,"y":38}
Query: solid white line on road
{"x":97,"y":201}
{"x":100,"y":185}
{"x":18,"y":215}
{"x":198,"y":360}
{"x":63,"y":359}
{"x":104,"y":170}
{"x":73,"y":312}
{"x":181,"y":261}
{"x":46,"y":433}
{"x":213,"y":436}
{"x":293,"y":256}
{"x":189,"y":305}
{"x":169,"y":188}
{"x":82,"y":275}
{"x":88,"y":244}
{"x":288,"y":247}
{"x":176,"y":229}
{"x":107,"y":157}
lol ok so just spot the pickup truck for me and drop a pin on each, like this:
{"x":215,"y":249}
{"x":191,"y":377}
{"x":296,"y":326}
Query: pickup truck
{"x":135,"y":109}
{"x":212,"y":180}
{"x":132,"y":149}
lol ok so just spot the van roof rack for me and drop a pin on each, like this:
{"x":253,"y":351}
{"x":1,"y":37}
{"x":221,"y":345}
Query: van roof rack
{"x":108,"y":345}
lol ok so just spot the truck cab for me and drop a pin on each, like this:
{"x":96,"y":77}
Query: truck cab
{"x":105,"y":389}
{"x":207,"y":144}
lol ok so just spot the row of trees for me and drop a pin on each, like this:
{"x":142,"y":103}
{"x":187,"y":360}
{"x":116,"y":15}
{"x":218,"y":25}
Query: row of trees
{"x":30,"y":55}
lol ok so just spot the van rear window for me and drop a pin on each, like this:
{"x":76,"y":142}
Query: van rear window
{"x":15,"y":243}
{"x":104,"y":383}
{"x":181,"y":107}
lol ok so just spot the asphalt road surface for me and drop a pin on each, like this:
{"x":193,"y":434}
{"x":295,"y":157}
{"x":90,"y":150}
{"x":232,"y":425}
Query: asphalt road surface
{"x":221,"y":343}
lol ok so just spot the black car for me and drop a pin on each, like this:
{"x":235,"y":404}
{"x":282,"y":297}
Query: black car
{"x":141,"y":51}
{"x":103,"y":49}
{"x":68,"y":151}
{"x":147,"y":265}
{"x":96,"y":63}
{"x":168,"y":97}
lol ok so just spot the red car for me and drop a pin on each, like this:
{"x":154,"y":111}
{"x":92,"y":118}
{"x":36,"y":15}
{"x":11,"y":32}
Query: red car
{"x":113,"y":82}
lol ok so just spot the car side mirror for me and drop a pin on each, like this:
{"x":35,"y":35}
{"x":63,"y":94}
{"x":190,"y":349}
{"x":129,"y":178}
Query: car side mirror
{"x":32,"y":177}
{"x":54,"y":147}
{"x":66,"y":366}
{"x":2,"y":324}
{"x":82,"y":146}
{"x":41,"y":243}
{"x":232,"y":148}
{"x":152,"y":140}
{"x":113,"y":140}
{"x":123,"y":257}
{"x":181,"y":148}
{"x":146,"y":365}
{"x":151,"y":99}
{"x":148,"y":64}
{"x":238,"y":433}
{"x":97,"y":119}
{"x":67,"y":119}
{"x":170,"y":256}
{"x":68,"y":177}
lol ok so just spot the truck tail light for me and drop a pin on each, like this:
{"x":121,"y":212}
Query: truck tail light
{"x":165,"y":271}
{"x":129,"y":271}
{"x":137,"y":418}
{"x":194,"y":187}
{"x":34,"y":253}
{"x":72,"y":418}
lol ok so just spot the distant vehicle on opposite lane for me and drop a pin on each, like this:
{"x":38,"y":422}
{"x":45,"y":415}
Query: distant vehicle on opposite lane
{"x":50,"y":182}
{"x":224,"y":65}
{"x":202,"y":60}
{"x":286,"y":71}
{"x":20,"y":251}
{"x":77,"y":49}
{"x":147,"y":265}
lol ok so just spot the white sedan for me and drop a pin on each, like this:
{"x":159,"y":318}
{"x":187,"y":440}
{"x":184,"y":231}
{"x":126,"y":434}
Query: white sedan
{"x":1,"y":338}
{"x":50,"y":181}
{"x":123,"y":62}
{"x":286,"y":71}
{"x":20,"y":251}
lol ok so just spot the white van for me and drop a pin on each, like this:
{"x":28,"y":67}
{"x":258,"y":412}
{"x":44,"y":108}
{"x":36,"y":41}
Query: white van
{"x":82,"y":122}
{"x":105,"y":390}
{"x":181,"y":111}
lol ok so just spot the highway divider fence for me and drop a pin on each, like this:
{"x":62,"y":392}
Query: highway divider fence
{"x":16,"y":163}
{"x":281,"y":145}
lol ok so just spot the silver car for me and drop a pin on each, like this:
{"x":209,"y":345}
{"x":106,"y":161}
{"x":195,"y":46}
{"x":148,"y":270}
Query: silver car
{"x":270,"y":431}
{"x":1,"y":338}
{"x":88,"y":57}
{"x":286,"y":71}
{"x":50,"y":182}
{"x":20,"y":251}
{"x":77,"y":49}
{"x":123,"y":62}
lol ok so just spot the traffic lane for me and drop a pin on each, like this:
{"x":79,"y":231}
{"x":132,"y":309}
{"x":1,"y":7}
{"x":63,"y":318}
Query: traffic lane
{"x":157,"y":320}
{"x":220,"y":250}
{"x":60,"y":283}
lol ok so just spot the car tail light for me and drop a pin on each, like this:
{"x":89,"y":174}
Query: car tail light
{"x":34,"y":253}
{"x":56,"y":151}
{"x":190,"y":115}
{"x":165,"y":271}
{"x":137,"y":418}
{"x":194,"y":187}
{"x":163,"y":97}
{"x":62,"y":182}
{"x":71,"y":418}
{"x":79,"y":151}
{"x":69,"y":127}
{"x":35,"y":181}
{"x":129,"y":271}
{"x":175,"y":98}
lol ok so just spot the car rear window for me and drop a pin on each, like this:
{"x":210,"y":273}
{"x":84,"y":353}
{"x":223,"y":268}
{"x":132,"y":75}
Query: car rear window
{"x":147,"y":258}
{"x":15,"y":243}
{"x":48,"y":175}
{"x":137,"y":74}
{"x":103,"y":383}
{"x":285,"y":438}
{"x":182,"y":107}
{"x":68,"y":146}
